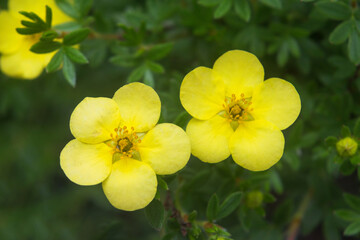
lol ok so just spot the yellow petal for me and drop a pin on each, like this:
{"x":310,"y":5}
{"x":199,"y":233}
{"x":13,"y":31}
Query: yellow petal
{"x":86,"y":164}
{"x":210,"y":138}
{"x":94,"y":119}
{"x":202,"y":93}
{"x":37,"y":7}
{"x":166,"y":148}
{"x":139,"y":106}
{"x":257,"y":145}
{"x":277,"y":101}
{"x":240,"y":70}
{"x":131,"y":185}
{"x":10,"y":40}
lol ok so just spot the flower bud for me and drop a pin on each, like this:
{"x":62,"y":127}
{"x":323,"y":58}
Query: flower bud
{"x":254,"y":199}
{"x":346,"y":147}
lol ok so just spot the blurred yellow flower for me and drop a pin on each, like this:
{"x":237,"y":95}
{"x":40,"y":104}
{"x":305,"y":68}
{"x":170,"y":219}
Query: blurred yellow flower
{"x":118,"y":143}
{"x":17,"y":60}
{"x":236,"y":112}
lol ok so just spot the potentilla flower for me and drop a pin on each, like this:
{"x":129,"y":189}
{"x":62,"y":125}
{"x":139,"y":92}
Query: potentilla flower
{"x":118,"y":143}
{"x":236,"y":112}
{"x":17,"y":60}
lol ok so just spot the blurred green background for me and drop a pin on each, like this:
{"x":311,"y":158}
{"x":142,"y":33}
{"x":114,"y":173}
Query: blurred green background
{"x":158,"y":42}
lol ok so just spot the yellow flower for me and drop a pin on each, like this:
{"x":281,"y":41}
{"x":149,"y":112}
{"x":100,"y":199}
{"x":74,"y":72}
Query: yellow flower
{"x":17,"y":60}
{"x":119,"y":144}
{"x":236,"y":112}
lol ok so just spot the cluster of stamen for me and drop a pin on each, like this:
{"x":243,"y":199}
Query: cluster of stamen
{"x":124,"y":141}
{"x":238,"y":109}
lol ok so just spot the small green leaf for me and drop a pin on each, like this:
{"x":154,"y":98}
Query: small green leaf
{"x":49,"y":36}
{"x":223,"y":8}
{"x":155,"y":67}
{"x":242,"y":9}
{"x":155,"y":214}
{"x":192,"y":216}
{"x":345,"y":131}
{"x":354,"y":47}
{"x":75,"y":55}
{"x":283,"y":54}
{"x":357,"y":128}
{"x":28,"y":31}
{"x":76,"y":37}
{"x":277,"y":4}
{"x":45,"y":47}
{"x":55,"y":62}
{"x":341,"y":32}
{"x":29,"y":15}
{"x":352,"y":229}
{"x":159,"y":51}
{"x":209,"y":3}
{"x":48,"y":16}
{"x":149,"y":78}
{"x":69,"y":71}
{"x":212,"y":208}
{"x":67,"y":8}
{"x":347,"y":215}
{"x":229,"y":205}
{"x":355,"y":160}
{"x":293,"y":47}
{"x":334,"y":10}
{"x":331,"y":141}
{"x":83,"y":6}
{"x":162,"y":183}
{"x":347,"y":168}
{"x":352,"y":201}
{"x":137,"y":74}
{"x":34,"y":25}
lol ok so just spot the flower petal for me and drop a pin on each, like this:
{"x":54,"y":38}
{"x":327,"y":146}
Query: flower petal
{"x":240,"y":70}
{"x":202,"y":93}
{"x":139,"y":106}
{"x":257,"y":145}
{"x":131,"y":185}
{"x":277,"y":101}
{"x":10,"y":40}
{"x":209,"y":138}
{"x":166,"y":148}
{"x":86,"y":164}
{"x":94,"y":119}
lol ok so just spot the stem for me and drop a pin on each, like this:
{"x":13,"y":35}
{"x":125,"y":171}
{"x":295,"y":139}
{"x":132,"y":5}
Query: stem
{"x":298,"y":217}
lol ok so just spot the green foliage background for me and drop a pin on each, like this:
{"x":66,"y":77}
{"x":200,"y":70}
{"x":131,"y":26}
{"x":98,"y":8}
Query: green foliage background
{"x":313,"y":44}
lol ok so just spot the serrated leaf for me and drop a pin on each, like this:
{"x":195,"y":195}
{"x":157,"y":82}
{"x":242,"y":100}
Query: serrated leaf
{"x":55,"y":62}
{"x":45,"y":47}
{"x":242,"y":9}
{"x":354,"y":46}
{"x":345,"y":131}
{"x":341,"y":32}
{"x":229,"y":205}
{"x":222,"y":8}
{"x":212,"y":208}
{"x":352,"y":201}
{"x":69,"y":71}
{"x":137,"y":74}
{"x":75,"y":55}
{"x":334,"y":10}
{"x":67,"y":8}
{"x":277,"y":4}
{"x":76,"y":37}
{"x":347,"y":215}
{"x":155,"y":214}
{"x":352,"y":229}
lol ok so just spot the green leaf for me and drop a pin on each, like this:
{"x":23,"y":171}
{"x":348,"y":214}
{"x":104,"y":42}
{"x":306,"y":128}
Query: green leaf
{"x":354,"y":47}
{"x":55,"y":62}
{"x":341,"y":32}
{"x":347,"y":215}
{"x":355,"y":160}
{"x":45,"y":47}
{"x":49,"y":36}
{"x":352,"y":229}
{"x":272,"y":3}
{"x":159,"y":51}
{"x":347,"y":168}
{"x":331,"y":141}
{"x":34,"y":25}
{"x":149,"y":78}
{"x":28,"y":31}
{"x":212,"y":208}
{"x":352,"y":201}
{"x":229,"y":205}
{"x":209,"y":3}
{"x":357,"y":128}
{"x":69,"y":71}
{"x":242,"y":9}
{"x":48,"y":16}
{"x":294,"y":47}
{"x":334,"y":10}
{"x":283,"y":54}
{"x":155,"y":67}
{"x":137,"y":74}
{"x":83,"y":6}
{"x":76,"y":37}
{"x":345,"y":131}
{"x":155,"y":214}
{"x":162,"y":183}
{"x":67,"y":8}
{"x":223,"y":8}
{"x":75,"y":55}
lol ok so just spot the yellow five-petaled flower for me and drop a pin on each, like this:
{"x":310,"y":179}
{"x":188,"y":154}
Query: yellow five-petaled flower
{"x":236,"y":112}
{"x":17,"y":60}
{"x":119,"y":144}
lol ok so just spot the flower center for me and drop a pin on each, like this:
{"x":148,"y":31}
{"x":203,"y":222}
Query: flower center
{"x":237,"y":109}
{"x":124,"y":142}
